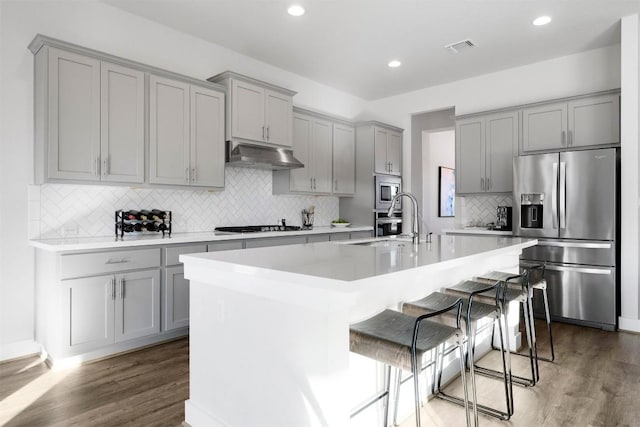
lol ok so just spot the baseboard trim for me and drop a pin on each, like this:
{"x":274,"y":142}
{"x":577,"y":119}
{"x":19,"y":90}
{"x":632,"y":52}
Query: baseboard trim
{"x":18,"y":350}
{"x":629,"y":325}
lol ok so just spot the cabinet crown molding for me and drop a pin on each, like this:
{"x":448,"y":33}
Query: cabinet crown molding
{"x":233,"y":75}
{"x":41,"y":41}
{"x":379,"y":124}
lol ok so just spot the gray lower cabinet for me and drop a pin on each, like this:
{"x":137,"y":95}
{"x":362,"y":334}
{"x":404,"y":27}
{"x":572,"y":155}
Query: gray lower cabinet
{"x":275,"y":241}
{"x":109,"y":309}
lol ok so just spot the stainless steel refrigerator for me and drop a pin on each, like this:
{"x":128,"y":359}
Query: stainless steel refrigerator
{"x":570,"y":202}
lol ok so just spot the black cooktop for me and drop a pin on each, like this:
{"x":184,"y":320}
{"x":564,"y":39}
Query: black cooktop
{"x":256,"y":228}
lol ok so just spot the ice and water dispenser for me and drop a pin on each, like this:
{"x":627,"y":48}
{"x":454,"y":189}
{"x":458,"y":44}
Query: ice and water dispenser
{"x":531,"y":209}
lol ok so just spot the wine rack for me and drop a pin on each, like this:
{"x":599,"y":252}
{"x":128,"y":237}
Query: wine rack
{"x":132,"y":222}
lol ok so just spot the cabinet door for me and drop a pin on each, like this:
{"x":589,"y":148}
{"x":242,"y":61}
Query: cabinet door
{"x":74,"y":117}
{"x":88,"y":312}
{"x":394,"y":153}
{"x":300,"y":179}
{"x":501,"y":138}
{"x":122,"y":124}
{"x":247,"y":111}
{"x":207,"y":137}
{"x":176,"y":299}
{"x":594,"y":121}
{"x":470,"y":156}
{"x":344,"y":160}
{"x":321,"y":156}
{"x":544,"y":127}
{"x":137,"y":308}
{"x":168,"y":131}
{"x":279,"y":114}
{"x":381,"y":164}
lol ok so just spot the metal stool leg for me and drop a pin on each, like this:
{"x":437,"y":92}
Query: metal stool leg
{"x":548,"y":318}
{"x":385,"y":402}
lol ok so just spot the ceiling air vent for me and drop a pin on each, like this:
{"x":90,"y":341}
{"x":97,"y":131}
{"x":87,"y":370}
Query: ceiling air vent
{"x":459,"y":46}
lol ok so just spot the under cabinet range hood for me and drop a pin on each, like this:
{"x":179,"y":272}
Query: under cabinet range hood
{"x":260,"y":156}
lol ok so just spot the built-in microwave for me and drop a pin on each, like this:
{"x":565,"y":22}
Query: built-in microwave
{"x":386,"y":188}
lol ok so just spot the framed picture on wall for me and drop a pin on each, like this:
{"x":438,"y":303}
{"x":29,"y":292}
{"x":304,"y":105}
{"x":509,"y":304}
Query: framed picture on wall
{"x":446,"y":192}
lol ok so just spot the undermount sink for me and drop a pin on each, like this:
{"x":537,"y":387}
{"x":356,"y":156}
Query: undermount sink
{"x":383,"y":243}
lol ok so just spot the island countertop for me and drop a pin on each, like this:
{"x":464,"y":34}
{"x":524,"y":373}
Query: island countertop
{"x":351,"y":261}
{"x":278,"y":319}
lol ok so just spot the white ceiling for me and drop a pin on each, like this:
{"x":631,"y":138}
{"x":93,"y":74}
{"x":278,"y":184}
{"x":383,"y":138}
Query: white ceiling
{"x":346,"y":44}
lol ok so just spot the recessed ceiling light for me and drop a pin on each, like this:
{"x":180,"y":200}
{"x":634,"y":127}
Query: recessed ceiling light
{"x":394,"y":64}
{"x":542,"y":20}
{"x":296,"y":10}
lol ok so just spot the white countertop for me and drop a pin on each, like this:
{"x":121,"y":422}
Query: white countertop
{"x":351,"y":262}
{"x":477,"y":230}
{"x":155,"y":239}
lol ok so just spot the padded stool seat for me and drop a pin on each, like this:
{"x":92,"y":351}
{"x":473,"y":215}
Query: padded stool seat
{"x":540,"y":284}
{"x":400,"y":340}
{"x":472,"y":312}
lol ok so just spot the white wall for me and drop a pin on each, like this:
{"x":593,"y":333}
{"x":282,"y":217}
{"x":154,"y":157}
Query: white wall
{"x":438,"y":149}
{"x":629,"y":132}
{"x":104,"y":28}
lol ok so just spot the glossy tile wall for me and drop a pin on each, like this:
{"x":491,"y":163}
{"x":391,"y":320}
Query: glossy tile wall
{"x":58,"y":210}
{"x":480,"y":209}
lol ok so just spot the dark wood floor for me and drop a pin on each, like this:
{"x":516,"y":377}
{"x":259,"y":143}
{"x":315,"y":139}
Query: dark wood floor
{"x":595,"y":381}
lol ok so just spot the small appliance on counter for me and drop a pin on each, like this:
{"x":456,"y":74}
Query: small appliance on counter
{"x":503,"y":218}
{"x":307,"y":217}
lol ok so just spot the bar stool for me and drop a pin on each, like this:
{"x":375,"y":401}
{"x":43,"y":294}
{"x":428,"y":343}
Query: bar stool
{"x":472,"y":312}
{"x":399,"y":340}
{"x":509,"y":293}
{"x":540,"y":284}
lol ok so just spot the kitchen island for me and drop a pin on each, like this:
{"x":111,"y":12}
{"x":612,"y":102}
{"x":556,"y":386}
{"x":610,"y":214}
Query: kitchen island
{"x":269,"y":337}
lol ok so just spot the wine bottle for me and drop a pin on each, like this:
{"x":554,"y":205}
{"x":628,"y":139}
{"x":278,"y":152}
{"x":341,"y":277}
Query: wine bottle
{"x":144,"y":215}
{"x":150,"y":225}
{"x":158,"y":215}
{"x":130,"y":215}
{"x":128,"y":228}
{"x":137,"y":226}
{"x":162,"y":226}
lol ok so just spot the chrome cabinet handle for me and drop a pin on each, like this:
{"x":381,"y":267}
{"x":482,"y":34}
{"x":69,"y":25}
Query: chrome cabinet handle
{"x":488,"y":184}
{"x":113,"y":289}
{"x":104,"y":167}
{"x":267,"y":133}
{"x":263,"y":137}
{"x":96,"y":166}
{"x":482,"y":184}
{"x":314,"y":183}
{"x":120,"y":261}
{"x":570,"y":138}
{"x":194,"y":175}
{"x":564,"y":138}
{"x":121,"y":289}
{"x":311,"y":183}
{"x":186,"y":175}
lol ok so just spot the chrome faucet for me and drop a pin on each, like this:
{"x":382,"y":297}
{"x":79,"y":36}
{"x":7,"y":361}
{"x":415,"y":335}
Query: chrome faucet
{"x":415,"y":228}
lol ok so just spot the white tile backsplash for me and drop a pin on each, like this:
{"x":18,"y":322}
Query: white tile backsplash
{"x":87,"y":210}
{"x":481,"y":209}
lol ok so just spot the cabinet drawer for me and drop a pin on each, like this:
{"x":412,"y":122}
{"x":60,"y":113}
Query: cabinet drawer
{"x":318,"y":238}
{"x":275,"y":241}
{"x":341,"y":236}
{"x":92,"y":264}
{"x":360,"y":235}
{"x":224,"y":246}
{"x":171,"y":254}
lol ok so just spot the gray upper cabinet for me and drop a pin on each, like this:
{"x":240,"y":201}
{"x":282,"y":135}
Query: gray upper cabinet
{"x":344,"y":160}
{"x":580,"y":122}
{"x":485,"y":146}
{"x":122,"y":124}
{"x":89,"y":119}
{"x":92,"y":122}
{"x":257,"y":111}
{"x":186,"y":136}
{"x":168,"y":131}
{"x":313,"y":147}
{"x":387,"y":151}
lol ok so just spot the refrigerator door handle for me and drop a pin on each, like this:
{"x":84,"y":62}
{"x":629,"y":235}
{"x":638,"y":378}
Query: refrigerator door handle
{"x":603,"y":271}
{"x":554,"y":196}
{"x":563,"y":194}
{"x":576,"y":245}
